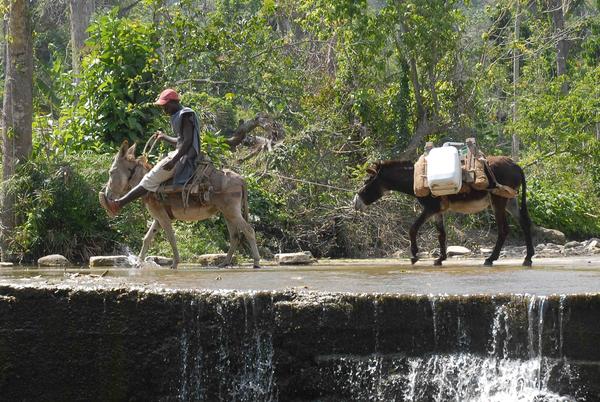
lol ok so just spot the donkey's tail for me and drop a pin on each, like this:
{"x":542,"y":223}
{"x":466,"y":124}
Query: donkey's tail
{"x":523,"y":207}
{"x":245,"y":200}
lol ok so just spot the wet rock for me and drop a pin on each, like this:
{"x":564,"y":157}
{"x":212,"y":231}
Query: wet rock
{"x":301,"y":258}
{"x":53,"y":260}
{"x":457,"y":250}
{"x":212,"y":260}
{"x":160,"y":260}
{"x":111,"y":261}
{"x":549,"y":235}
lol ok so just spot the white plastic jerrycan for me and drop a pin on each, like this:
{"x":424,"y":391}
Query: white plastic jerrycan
{"x":444,"y":173}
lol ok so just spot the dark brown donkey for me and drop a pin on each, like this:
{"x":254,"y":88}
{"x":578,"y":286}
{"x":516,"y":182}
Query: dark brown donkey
{"x":399,"y":176}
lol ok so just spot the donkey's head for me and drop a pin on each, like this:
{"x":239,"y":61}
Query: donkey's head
{"x":372,"y":189}
{"x":382,"y":177}
{"x":122,"y":171}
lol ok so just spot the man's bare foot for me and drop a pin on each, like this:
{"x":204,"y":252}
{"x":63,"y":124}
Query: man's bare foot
{"x":112,"y":208}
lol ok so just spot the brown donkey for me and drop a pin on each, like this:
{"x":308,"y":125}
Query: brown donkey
{"x":399,"y":176}
{"x":232,"y":201}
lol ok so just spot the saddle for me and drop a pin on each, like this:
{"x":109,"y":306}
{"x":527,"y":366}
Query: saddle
{"x":199,"y":185}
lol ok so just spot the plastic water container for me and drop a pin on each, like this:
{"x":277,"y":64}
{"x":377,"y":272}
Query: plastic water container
{"x":444,"y":173}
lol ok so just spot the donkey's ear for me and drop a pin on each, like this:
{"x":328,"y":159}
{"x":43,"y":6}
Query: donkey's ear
{"x":124,"y":148}
{"x":372,"y":170}
{"x":131,"y":150}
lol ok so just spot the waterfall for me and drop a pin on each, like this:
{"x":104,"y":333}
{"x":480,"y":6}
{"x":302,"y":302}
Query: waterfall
{"x":243,"y":364}
{"x":502,"y":374}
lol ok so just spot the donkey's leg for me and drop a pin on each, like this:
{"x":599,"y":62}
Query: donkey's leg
{"x":525,"y":222}
{"x":439,"y":224}
{"x":414,"y":230}
{"x":250,"y":236}
{"x":165,"y":223}
{"x":499,"y":205}
{"x":522,"y":214}
{"x":148,"y":239}
{"x":234,"y":241}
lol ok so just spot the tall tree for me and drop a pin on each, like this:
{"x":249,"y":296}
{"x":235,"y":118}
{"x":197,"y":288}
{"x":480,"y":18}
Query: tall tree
{"x":81,"y":12}
{"x":18,"y":105}
{"x":516,"y":73}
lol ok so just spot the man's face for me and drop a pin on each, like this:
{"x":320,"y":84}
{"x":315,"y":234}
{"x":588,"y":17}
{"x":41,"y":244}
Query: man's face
{"x":170,"y":107}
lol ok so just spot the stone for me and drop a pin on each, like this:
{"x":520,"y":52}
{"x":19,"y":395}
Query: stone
{"x":111,"y":261}
{"x":457,"y":250}
{"x":53,"y":260}
{"x":6,"y":264}
{"x":549,"y":235}
{"x":485,"y":250}
{"x":572,"y":244}
{"x":592,"y":245}
{"x":301,"y":258}
{"x":212,"y":260}
{"x":160,"y":260}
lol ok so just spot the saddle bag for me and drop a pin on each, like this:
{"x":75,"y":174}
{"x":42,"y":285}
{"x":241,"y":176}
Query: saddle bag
{"x":421,"y":186}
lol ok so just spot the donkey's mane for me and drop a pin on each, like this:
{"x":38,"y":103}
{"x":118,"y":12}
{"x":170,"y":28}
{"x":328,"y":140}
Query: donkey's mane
{"x":396,"y":163}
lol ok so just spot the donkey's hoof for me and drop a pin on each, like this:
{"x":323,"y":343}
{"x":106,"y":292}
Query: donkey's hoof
{"x":488,"y":263}
{"x":437,"y":263}
{"x":256,"y":266}
{"x":413,"y":260}
{"x":527,"y":263}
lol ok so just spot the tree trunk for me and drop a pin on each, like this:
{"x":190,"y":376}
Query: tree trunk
{"x":81,"y":12}
{"x":562,"y":45}
{"x":516,"y":73}
{"x":17,"y":108}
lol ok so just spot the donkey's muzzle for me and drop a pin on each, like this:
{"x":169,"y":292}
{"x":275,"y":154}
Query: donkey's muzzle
{"x":358,"y":204}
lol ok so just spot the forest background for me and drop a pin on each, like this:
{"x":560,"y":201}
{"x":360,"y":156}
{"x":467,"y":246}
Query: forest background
{"x":327,"y":86}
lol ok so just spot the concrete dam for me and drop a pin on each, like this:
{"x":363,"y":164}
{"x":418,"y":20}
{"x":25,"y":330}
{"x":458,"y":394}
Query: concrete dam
{"x":91,"y":338}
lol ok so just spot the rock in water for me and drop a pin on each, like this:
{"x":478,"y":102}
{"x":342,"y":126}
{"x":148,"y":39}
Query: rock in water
{"x":53,"y":260}
{"x":301,"y":258}
{"x":160,"y":260}
{"x":572,"y":244}
{"x":457,"y":250}
{"x":211,"y":260}
{"x":111,"y":261}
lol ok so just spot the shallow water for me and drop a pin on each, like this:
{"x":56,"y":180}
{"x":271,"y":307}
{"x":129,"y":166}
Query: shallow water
{"x":548,"y":276}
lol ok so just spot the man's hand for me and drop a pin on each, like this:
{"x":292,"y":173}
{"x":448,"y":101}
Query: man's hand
{"x":159,"y":135}
{"x":169,"y":165}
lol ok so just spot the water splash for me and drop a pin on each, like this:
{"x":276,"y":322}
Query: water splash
{"x":468,"y":377}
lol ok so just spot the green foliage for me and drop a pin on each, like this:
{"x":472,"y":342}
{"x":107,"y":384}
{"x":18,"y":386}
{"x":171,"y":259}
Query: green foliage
{"x":350,"y":81}
{"x":120,"y":79}
{"x":559,"y":205}
{"x":58,"y":209}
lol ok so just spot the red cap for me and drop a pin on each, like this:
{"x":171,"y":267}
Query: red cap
{"x":166,"y":96}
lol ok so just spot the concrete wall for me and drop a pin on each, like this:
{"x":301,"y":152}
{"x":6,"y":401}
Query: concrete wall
{"x":119,"y":344}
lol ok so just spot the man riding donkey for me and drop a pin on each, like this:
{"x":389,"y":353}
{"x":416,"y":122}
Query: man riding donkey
{"x":179,"y":164}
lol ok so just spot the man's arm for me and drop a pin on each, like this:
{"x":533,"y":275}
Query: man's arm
{"x":187,"y":129}
{"x":162,"y":136}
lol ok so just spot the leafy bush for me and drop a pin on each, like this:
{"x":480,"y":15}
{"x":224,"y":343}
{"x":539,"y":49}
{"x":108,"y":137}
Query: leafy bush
{"x":556,"y":204}
{"x":120,"y":79}
{"x":58,"y":210}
